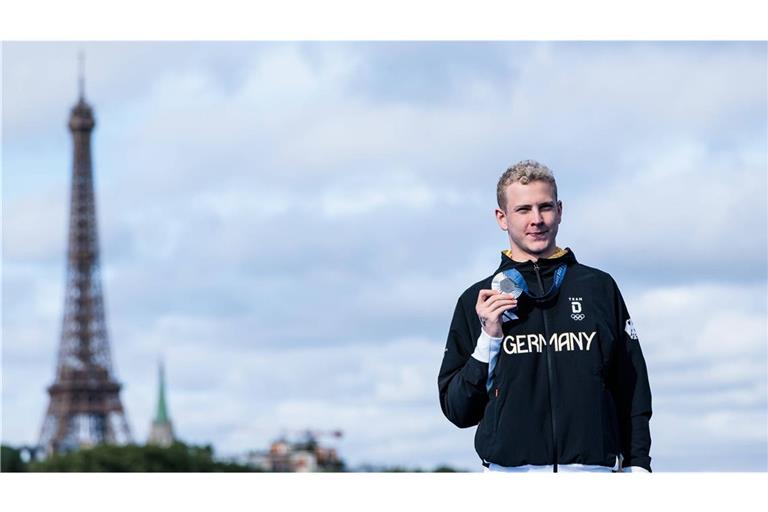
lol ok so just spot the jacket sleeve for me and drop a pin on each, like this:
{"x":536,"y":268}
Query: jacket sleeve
{"x":631,"y":391}
{"x":462,"y":378}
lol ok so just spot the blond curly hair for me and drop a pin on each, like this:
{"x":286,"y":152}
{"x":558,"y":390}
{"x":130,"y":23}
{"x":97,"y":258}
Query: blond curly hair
{"x":524,"y":171}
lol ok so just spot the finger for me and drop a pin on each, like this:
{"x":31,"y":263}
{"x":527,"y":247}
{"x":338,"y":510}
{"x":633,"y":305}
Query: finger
{"x":484,"y":294}
{"x":498,"y":310}
{"x":494,"y":313}
{"x":498,"y":299}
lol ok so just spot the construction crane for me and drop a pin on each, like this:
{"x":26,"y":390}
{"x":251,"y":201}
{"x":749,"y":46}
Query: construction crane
{"x":310,"y":437}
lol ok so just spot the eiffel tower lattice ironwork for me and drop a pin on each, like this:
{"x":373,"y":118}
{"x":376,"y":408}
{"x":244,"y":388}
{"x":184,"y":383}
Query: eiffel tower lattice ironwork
{"x":84,"y":407}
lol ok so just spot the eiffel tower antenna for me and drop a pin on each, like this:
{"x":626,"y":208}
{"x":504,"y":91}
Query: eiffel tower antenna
{"x":81,"y":74}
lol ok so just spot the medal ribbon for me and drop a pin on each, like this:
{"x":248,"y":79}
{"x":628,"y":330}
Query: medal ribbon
{"x":519,"y":280}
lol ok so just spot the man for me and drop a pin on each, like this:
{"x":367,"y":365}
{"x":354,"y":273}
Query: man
{"x":543,"y":354}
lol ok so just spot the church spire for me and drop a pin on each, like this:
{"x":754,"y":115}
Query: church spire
{"x":161,"y":414}
{"x":161,"y":431}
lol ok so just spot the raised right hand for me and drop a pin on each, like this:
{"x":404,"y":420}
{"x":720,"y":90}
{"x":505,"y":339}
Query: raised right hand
{"x":491,"y":304}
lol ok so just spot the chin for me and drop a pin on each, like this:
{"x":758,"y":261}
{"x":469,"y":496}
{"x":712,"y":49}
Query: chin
{"x":540,"y":249}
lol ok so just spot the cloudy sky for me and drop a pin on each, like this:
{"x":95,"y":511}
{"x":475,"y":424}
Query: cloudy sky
{"x":289,"y":225}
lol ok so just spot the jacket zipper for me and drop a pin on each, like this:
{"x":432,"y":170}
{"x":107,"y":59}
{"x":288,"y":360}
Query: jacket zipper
{"x":550,"y":377}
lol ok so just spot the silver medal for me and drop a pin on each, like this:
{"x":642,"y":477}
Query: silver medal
{"x":506,"y":286}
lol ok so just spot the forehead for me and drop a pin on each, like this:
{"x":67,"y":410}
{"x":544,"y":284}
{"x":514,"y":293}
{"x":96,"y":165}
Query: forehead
{"x":534,"y":192}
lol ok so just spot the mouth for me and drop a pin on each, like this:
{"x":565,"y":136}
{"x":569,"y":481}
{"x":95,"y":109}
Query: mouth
{"x":541,"y":235}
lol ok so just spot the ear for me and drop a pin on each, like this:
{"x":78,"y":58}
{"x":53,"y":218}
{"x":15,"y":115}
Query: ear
{"x":501,"y":219}
{"x":559,"y":211}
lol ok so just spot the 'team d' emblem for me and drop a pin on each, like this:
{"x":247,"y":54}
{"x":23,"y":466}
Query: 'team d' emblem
{"x":576,"y":312}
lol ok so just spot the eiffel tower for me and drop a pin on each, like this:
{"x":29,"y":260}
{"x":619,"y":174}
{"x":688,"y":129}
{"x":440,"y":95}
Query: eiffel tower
{"x":84,"y":407}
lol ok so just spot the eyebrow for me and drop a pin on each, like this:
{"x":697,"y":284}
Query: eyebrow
{"x":543,"y":203}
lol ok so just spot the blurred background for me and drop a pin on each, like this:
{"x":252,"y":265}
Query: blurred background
{"x":288,"y":226}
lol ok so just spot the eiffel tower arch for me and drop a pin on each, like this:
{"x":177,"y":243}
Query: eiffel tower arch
{"x":84,"y":407}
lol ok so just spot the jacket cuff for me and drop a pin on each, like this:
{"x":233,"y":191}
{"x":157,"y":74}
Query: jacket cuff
{"x":636,"y":469}
{"x":640,"y":461}
{"x":483,"y":348}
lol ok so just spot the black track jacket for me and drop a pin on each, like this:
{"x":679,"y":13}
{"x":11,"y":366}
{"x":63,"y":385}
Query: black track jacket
{"x":570,"y":384}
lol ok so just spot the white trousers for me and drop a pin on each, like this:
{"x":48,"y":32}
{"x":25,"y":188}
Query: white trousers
{"x":564,"y":468}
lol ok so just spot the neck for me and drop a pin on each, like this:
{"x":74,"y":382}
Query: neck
{"x":520,"y":255}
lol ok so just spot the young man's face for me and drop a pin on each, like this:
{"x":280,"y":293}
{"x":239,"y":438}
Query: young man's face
{"x":531,"y":219}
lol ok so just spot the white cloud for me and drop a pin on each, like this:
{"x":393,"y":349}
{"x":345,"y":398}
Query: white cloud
{"x":686,"y":210}
{"x":34,"y":227}
{"x":702,"y":320}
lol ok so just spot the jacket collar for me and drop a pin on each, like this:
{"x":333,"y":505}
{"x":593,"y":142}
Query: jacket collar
{"x":561,"y":256}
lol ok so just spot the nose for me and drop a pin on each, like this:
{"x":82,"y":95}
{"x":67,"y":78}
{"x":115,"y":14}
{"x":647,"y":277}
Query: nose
{"x":536,"y":217}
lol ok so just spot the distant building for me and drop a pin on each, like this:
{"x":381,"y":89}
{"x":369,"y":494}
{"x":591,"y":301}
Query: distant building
{"x":161,"y":432}
{"x":303,"y":456}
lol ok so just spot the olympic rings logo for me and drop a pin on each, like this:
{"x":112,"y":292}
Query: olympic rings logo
{"x":578,"y":317}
